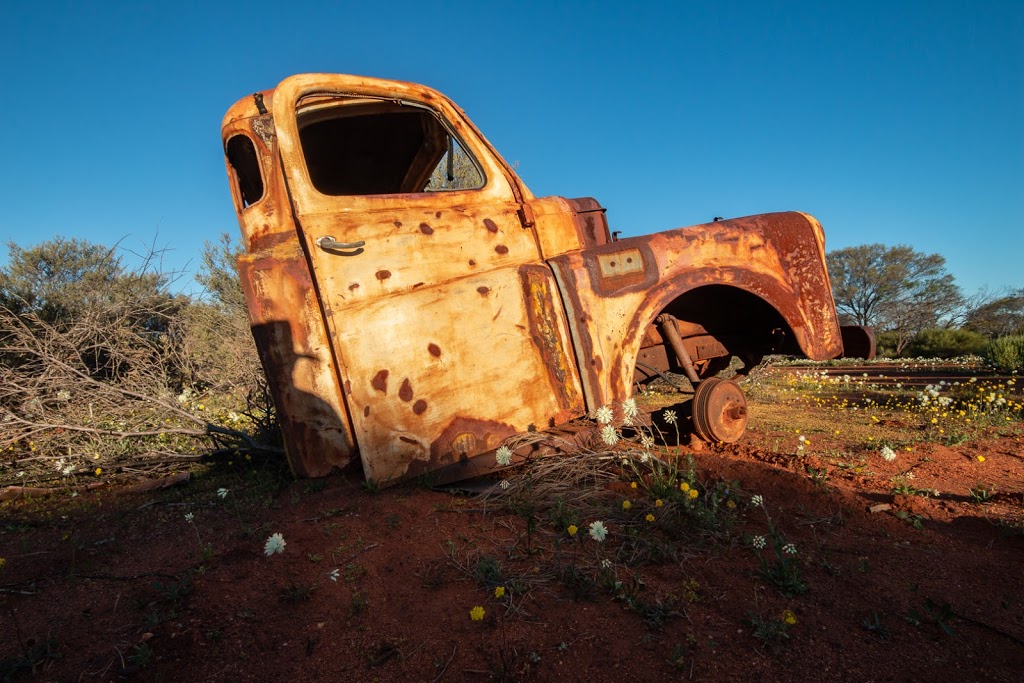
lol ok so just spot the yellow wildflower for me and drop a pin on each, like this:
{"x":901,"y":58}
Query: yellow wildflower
{"x":99,"y":471}
{"x":572,"y":529}
{"x":632,"y":484}
{"x":649,"y":517}
{"x":981,"y":458}
{"x":499,"y":592}
{"x":684,"y":487}
{"x":477,"y":613}
{"x":3,"y":561}
{"x":730,"y":504}
{"x":788,"y":618}
{"x":658,"y":503}
{"x":693,"y":493}
{"x":626,"y":505}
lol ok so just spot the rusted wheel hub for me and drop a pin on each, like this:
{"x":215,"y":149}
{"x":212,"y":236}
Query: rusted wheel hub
{"x":719,"y":411}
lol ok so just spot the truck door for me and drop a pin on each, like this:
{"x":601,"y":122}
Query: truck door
{"x":447,"y":328}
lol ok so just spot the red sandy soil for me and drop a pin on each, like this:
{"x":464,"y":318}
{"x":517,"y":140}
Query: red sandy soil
{"x":110,"y":585}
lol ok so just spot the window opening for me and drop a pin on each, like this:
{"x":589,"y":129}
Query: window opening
{"x":242,"y":156}
{"x":368,"y":147}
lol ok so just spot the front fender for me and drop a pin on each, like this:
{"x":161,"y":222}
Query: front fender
{"x":613,"y":292}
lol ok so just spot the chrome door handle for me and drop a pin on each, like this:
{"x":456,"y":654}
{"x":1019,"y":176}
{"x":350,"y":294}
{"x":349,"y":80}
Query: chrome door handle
{"x":328,"y":243}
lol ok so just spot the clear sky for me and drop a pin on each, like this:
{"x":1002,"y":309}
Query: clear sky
{"x":894,"y":122}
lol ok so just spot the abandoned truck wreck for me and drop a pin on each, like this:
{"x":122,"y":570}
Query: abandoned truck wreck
{"x":414,"y":304}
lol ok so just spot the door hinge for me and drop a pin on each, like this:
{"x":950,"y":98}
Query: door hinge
{"x":526,"y":215}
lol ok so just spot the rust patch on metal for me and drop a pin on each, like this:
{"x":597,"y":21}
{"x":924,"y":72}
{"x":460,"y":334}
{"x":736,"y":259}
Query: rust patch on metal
{"x":483,"y":290}
{"x":540,"y":309}
{"x":419,"y":407}
{"x":490,"y":225}
{"x":434,"y":350}
{"x":501,"y":249}
{"x":353,"y":287}
{"x":405,"y":391}
{"x":398,"y":224}
{"x":366,"y":411}
{"x":472,"y":262}
{"x":465,"y":436}
{"x":619,"y":268}
{"x":437,"y":214}
{"x":408,"y":440}
{"x":383,"y":274}
{"x":380,"y":381}
{"x":426,"y":229}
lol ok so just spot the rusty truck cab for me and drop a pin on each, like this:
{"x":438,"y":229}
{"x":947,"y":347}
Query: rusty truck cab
{"x":414,"y":303}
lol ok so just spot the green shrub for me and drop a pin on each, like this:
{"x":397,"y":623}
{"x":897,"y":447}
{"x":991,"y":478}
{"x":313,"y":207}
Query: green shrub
{"x":1007,"y":353}
{"x":887,"y":343}
{"x":939,"y":343}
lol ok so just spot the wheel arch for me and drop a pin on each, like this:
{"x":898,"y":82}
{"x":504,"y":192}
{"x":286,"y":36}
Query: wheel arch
{"x":765,"y":299}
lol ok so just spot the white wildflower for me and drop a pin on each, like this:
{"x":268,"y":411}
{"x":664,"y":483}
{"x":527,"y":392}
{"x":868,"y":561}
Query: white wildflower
{"x":629,"y":409}
{"x":758,"y":542}
{"x":505,"y":484}
{"x":503,"y":456}
{"x":606,"y":564}
{"x":646,"y":441}
{"x":670,"y":416}
{"x":609,"y":435}
{"x":274,"y":544}
{"x":333,"y":575}
{"x":789,"y":549}
{"x":597,"y":531}
{"x":63,"y":395}
{"x":189,"y":517}
{"x":222,"y":492}
{"x":604,"y":415}
{"x":757,"y":500}
{"x":888,"y":454}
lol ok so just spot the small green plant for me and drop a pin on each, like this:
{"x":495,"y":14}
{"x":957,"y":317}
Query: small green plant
{"x":874,"y":625}
{"x":487,"y":572}
{"x":295,"y":593}
{"x":916,"y":521}
{"x":29,"y":661}
{"x":581,"y":585}
{"x":781,"y":569}
{"x":561,"y":516}
{"x":174,"y":591}
{"x":141,"y":655}
{"x":934,"y":613}
{"x":677,"y":660}
{"x":314,"y":486}
{"x":982,"y":493}
{"x":360,"y":601}
{"x":771,"y":631}
{"x":819,"y":475}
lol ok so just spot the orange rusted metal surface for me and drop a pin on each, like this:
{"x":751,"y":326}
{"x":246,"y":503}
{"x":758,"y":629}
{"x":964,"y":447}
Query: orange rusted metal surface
{"x":415,"y":305}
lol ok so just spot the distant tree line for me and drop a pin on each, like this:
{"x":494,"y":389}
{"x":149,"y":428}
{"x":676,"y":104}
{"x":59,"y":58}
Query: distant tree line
{"x":915,"y":305}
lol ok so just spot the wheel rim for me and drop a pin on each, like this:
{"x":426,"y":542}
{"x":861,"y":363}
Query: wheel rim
{"x":719,"y":411}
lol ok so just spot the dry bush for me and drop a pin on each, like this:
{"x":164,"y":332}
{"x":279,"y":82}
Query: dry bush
{"x":121,"y":373}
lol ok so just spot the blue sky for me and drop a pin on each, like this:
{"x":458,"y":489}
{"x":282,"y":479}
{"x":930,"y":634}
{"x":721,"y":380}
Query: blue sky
{"x":894,"y":122}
